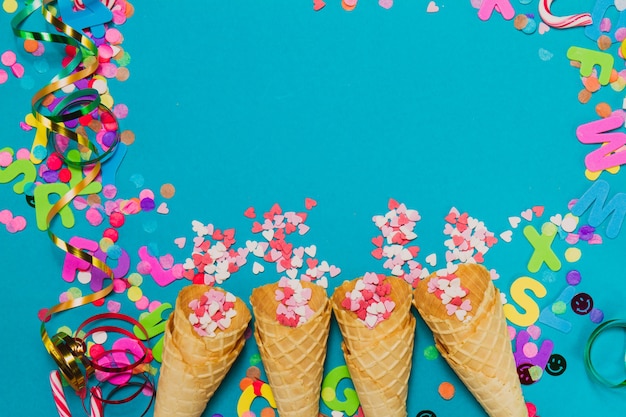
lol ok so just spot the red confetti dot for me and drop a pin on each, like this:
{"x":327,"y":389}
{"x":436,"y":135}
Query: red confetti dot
{"x":65,"y":175}
{"x":111,"y":234}
{"x":117,"y":219}
{"x":54,"y":162}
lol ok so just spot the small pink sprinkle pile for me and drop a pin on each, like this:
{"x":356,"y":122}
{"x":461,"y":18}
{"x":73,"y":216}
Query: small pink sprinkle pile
{"x":447,"y":287}
{"x":293,"y":307}
{"x":370,"y":299}
{"x":213,"y":311}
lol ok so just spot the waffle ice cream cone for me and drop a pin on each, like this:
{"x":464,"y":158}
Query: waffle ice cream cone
{"x":379,"y":359}
{"x":193,"y":366}
{"x":479,"y":350}
{"x":293,"y":357}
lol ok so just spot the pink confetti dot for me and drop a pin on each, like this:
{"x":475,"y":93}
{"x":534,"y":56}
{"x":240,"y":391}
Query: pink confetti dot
{"x":80,"y":203}
{"x":18,"y":70}
{"x":5,"y":159}
{"x":109,"y":191}
{"x":113,"y":306}
{"x":105,"y":52}
{"x":142,"y":303}
{"x":166,"y":261}
{"x":248,"y":414}
{"x":147,"y":193}
{"x":22,"y":154}
{"x":144,"y":268}
{"x":121,"y":112}
{"x":63,"y":297}
{"x":17,"y":224}
{"x":94,"y":217}
{"x":113,"y":36}
{"x":178,"y":271}
{"x":512,"y":332}
{"x":119,"y":286}
{"x":108,"y":70}
{"x":4,"y":76}
{"x":5,"y":216}
{"x":8,"y":58}
{"x":154,"y":305}
{"x":530,"y":350}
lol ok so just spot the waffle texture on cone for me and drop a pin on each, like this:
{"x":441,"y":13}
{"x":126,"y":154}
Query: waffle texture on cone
{"x":479,"y":349}
{"x":193,"y":366}
{"x":293,"y":357}
{"x":379,"y":359}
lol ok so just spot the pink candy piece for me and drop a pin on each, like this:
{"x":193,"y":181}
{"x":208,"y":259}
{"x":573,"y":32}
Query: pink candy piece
{"x":17,"y":70}
{"x":4,"y":76}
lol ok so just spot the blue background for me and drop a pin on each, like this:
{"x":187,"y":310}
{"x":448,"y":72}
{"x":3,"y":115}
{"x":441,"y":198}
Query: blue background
{"x":252,"y":103}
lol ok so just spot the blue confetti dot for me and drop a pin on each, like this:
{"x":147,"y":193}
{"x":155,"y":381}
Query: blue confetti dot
{"x":531,"y":27}
{"x":40,"y":152}
{"x":114,"y":252}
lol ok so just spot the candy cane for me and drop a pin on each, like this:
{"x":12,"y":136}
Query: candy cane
{"x":563,"y":22}
{"x":95,"y":402}
{"x":80,"y":4}
{"x":59,"y":395}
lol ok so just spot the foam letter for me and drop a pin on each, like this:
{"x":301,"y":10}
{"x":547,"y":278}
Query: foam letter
{"x":519,"y":295}
{"x":72,"y":263}
{"x":329,"y":392}
{"x":596,"y":196}
{"x":610,"y":154}
{"x":588,"y":58}
{"x":17,"y":168}
{"x":593,"y":31}
{"x":503,"y":6}
{"x":548,"y":317}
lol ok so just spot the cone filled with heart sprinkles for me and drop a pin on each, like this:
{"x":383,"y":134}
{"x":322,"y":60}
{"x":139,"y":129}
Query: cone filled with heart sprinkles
{"x":292,"y":321}
{"x":203,"y":337}
{"x":378,"y":329}
{"x":464,"y":312}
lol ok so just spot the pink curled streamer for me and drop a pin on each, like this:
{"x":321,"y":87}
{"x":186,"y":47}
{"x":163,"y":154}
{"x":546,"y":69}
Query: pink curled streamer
{"x":563,"y":22}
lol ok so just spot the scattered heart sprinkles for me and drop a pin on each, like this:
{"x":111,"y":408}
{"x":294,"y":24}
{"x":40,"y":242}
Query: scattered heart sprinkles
{"x":212,"y":312}
{"x":370,"y":299}
{"x":293,"y":303}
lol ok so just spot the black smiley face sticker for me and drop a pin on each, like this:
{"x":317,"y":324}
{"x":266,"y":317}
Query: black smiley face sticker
{"x":523,"y":371}
{"x":582,"y":303}
{"x":426,"y":413}
{"x":556,"y":365}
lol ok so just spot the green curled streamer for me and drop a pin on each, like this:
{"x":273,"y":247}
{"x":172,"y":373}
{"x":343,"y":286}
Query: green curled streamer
{"x":589,"y":365}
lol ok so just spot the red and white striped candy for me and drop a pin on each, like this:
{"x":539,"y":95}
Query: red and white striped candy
{"x":96,"y":402}
{"x":562,"y":22}
{"x":59,"y":395}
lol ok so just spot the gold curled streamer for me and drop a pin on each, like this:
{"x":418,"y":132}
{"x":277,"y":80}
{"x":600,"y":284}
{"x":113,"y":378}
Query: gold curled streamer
{"x":83,"y":45}
{"x":68,"y":352}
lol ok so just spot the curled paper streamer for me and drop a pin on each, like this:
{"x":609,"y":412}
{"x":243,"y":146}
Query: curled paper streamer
{"x":562,"y":22}
{"x":69,"y":352}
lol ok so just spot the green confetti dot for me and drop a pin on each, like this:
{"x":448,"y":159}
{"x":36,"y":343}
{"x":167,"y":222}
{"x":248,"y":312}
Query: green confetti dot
{"x":559,"y":307}
{"x":124,"y":60}
{"x":549,"y":229}
{"x":431,"y":353}
{"x":535,"y":372}
{"x":255,"y":359}
{"x":135,"y":279}
{"x":74,"y":292}
{"x":65,"y":329}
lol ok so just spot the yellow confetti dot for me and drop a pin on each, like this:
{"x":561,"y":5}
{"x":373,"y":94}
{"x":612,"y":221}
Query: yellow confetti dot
{"x":134,"y":294}
{"x":135,"y":279}
{"x":9,"y":6}
{"x":572,"y":254}
{"x":107,"y":100}
{"x":105,"y":244}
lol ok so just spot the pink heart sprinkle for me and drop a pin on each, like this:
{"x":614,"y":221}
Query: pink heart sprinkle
{"x":279,"y":295}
